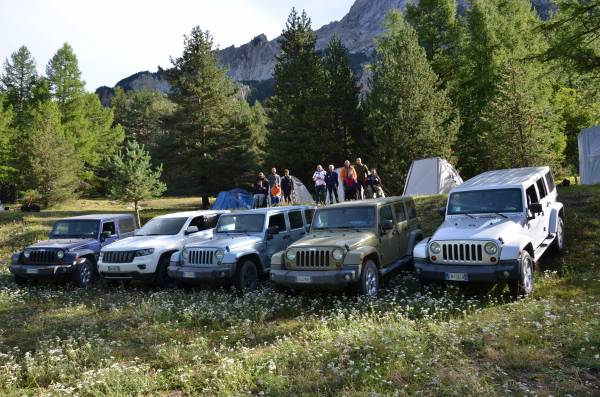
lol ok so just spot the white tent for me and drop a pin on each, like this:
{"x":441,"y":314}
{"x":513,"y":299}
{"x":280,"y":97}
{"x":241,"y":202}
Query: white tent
{"x":589,"y":156}
{"x":431,"y":176}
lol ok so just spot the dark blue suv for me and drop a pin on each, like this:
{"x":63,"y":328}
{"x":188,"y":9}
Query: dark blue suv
{"x":72,"y":250}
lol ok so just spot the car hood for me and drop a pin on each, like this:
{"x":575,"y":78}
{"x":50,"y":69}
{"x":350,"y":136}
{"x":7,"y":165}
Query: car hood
{"x":62,"y":243}
{"x":351,"y":239}
{"x":480,"y":228}
{"x":233,"y":241}
{"x":143,"y":242}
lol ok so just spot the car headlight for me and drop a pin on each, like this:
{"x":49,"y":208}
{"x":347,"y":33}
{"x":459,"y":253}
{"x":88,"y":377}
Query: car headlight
{"x":435,"y":248}
{"x":291,"y":256}
{"x":490,"y":248}
{"x":27,"y":254}
{"x":144,"y":252}
{"x":219,"y":254}
{"x":338,"y":254}
{"x":60,"y":254}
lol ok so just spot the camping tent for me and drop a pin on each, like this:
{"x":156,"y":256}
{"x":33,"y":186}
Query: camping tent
{"x":301,"y":194}
{"x":431,"y":176}
{"x":589,"y":156}
{"x":233,"y":199}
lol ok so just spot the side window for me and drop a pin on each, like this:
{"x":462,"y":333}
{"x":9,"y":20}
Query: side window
{"x":411,"y":210}
{"x":109,"y":227}
{"x":531,"y":194}
{"x":400,"y":214}
{"x":296,"y":221}
{"x":126,"y":225}
{"x":550,"y":182}
{"x":385,"y":214}
{"x":541,"y":188}
{"x":199,"y":222}
{"x":277,"y":220}
{"x":309,"y":216}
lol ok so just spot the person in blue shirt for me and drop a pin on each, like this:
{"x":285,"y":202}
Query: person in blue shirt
{"x":332,"y":182}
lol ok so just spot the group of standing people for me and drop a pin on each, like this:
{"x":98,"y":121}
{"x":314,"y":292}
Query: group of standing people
{"x":273,"y":189}
{"x":357,"y":180}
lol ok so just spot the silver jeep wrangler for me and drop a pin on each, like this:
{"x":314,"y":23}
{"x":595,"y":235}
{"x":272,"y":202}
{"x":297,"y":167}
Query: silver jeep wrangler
{"x":496,"y":227}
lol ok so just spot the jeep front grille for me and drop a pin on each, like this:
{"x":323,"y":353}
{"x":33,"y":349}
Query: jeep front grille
{"x":200,"y":257}
{"x":461,"y":252}
{"x":44,"y":256}
{"x":118,"y":256}
{"x":313,"y":259}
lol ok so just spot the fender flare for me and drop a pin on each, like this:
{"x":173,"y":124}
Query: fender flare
{"x":90,"y":253}
{"x":512,"y":250}
{"x":356,"y":257}
{"x":412,"y":240}
{"x":256,"y":256}
{"x":557,"y":211}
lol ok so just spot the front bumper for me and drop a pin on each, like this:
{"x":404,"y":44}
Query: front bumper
{"x":137,"y":270}
{"x":504,"y":270}
{"x":41,"y":271}
{"x":192,"y":273}
{"x":346,"y":275}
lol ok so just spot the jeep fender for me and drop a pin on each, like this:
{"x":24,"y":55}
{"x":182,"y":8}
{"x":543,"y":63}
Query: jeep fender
{"x":413,"y":240}
{"x":420,"y":250}
{"x":89,"y":253}
{"x":556,"y":212}
{"x":234,"y":258}
{"x":175,"y":258}
{"x":277,"y":260}
{"x":512,"y":250}
{"x":357,"y":256}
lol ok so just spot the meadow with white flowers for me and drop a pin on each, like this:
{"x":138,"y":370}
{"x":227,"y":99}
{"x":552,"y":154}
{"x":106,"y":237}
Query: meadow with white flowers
{"x":56,"y":340}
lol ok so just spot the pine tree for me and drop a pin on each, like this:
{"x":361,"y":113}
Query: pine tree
{"x":343,"y":121}
{"x":298,"y":136}
{"x":203,"y":148}
{"x":51,"y":172}
{"x":134,"y":178}
{"x":7,"y":137}
{"x":18,"y":82}
{"x":519,"y":131}
{"x":408,"y":115}
{"x":65,"y":81}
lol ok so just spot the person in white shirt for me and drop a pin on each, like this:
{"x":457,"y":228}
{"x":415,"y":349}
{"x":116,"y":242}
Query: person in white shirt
{"x":320,"y":184}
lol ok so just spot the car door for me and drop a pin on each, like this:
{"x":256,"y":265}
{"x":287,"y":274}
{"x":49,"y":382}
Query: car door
{"x":276,"y":242}
{"x":402,"y":229}
{"x":297,"y":227}
{"x":388,"y":239}
{"x":536,"y":221}
{"x":108,"y":226}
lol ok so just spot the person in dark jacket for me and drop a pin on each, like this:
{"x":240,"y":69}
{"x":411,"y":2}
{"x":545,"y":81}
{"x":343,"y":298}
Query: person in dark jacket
{"x":287,"y":186}
{"x":332,"y":181}
{"x":362,"y":172}
{"x":373,"y":184}
{"x":260,"y":191}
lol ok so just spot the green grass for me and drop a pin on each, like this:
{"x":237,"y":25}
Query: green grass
{"x":57,"y":340}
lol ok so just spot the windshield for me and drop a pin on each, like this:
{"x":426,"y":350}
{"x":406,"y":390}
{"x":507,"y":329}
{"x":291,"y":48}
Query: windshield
{"x":339,"y":218}
{"x":85,"y":229}
{"x":241,"y":223}
{"x":162,"y":227}
{"x":485,"y":202}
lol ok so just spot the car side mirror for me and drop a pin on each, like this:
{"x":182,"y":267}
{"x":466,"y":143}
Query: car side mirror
{"x":191,"y":230}
{"x":387,"y":225}
{"x":442,"y":212}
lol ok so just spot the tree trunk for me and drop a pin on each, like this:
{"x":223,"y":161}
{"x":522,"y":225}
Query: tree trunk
{"x":137,"y":213}
{"x":205,"y":202}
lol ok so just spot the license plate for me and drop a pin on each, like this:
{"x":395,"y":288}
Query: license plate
{"x":114,"y":268}
{"x":303,"y":279}
{"x":457,"y":277}
{"x":188,"y":274}
{"x":32,"y":271}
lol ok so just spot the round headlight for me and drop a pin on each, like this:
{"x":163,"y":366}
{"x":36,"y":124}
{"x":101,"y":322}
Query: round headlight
{"x":184,"y":253}
{"x":27,"y":254}
{"x":435,"y":248}
{"x":490,"y":248}
{"x":219,"y":254}
{"x":60,"y":254}
{"x":338,"y":254}
{"x":291,"y":256}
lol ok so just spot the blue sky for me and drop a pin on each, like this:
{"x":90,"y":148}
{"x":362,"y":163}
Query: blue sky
{"x":116,"y":38}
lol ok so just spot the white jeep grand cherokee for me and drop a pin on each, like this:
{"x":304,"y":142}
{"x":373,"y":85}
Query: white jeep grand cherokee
{"x":146,"y":255}
{"x":497,"y":226}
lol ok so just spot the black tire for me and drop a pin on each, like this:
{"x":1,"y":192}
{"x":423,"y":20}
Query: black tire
{"x":21,"y":280}
{"x":559,"y":241}
{"x":523,"y":285}
{"x":246,"y":277}
{"x":161,"y":278}
{"x":84,"y":274}
{"x":369,"y":279}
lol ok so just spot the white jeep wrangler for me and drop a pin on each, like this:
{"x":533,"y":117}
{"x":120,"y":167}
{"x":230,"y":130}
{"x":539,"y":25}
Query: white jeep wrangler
{"x":146,"y":255}
{"x":496,"y":227}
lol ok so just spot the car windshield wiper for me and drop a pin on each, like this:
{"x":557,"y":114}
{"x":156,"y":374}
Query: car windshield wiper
{"x":463,"y":213}
{"x":499,"y":214}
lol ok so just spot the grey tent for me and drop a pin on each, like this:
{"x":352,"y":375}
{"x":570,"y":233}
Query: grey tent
{"x":301,"y":195}
{"x":431,"y":176}
{"x":589,"y":155}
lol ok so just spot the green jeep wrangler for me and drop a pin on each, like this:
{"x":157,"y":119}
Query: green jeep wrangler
{"x":351,"y":244}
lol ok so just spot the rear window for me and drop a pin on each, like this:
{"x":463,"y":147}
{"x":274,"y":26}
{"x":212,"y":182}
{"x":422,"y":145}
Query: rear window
{"x":296,"y":221}
{"x":126,"y":225}
{"x":541,"y":188}
{"x":411,"y":209}
{"x":550,"y":182}
{"x":400,"y":214}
